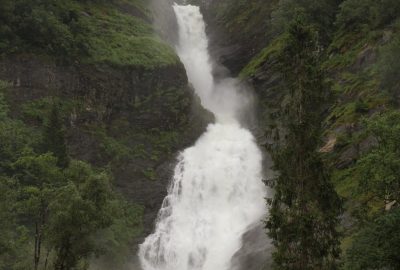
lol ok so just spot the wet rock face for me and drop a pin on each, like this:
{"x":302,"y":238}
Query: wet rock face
{"x":131,"y":119}
{"x":233,"y":46}
{"x":164,"y":20}
{"x":107,"y":92}
{"x":256,"y":251}
{"x":151,"y":114}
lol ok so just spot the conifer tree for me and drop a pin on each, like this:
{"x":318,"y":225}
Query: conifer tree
{"x":54,"y":137}
{"x":304,"y":211}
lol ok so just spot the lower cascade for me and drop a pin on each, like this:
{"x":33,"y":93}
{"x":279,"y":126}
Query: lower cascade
{"x":216,"y":193}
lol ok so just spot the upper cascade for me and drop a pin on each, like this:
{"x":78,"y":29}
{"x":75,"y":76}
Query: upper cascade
{"x":216,"y":194}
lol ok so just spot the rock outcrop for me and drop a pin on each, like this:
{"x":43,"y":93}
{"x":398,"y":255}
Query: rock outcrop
{"x":131,"y":119}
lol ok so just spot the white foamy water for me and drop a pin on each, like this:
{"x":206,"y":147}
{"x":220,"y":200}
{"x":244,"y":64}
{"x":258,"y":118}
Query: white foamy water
{"x":216,"y":193}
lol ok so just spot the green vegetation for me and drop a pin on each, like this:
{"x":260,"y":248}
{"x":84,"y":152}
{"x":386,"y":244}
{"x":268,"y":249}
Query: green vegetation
{"x":379,"y":168}
{"x":150,"y":174}
{"x":376,"y":245}
{"x":54,"y":137}
{"x":367,"y":15}
{"x":56,"y":212}
{"x":305,"y":208}
{"x":120,"y":39}
{"x":318,"y":14}
{"x":389,"y":66}
{"x":336,"y":77}
{"x":373,"y":180}
{"x":358,"y":46}
{"x":82,"y":31}
{"x":269,"y":52}
{"x":239,"y":13}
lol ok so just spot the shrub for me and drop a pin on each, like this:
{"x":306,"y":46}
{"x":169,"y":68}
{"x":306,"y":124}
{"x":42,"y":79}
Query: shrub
{"x":377,"y":245}
{"x":367,"y":14}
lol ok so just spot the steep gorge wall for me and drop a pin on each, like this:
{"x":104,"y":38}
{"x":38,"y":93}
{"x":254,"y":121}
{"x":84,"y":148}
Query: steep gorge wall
{"x":238,"y":30}
{"x":128,"y":117}
{"x":353,"y":65}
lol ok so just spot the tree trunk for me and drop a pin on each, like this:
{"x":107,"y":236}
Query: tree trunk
{"x":38,"y":240}
{"x":47,"y":259}
{"x":39,"y":235}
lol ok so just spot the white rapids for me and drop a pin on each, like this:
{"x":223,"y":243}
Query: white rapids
{"x":216,"y":193}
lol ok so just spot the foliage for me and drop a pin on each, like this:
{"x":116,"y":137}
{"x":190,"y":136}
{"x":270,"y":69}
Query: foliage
{"x":54,"y":137}
{"x":88,"y":31}
{"x":268,"y":53}
{"x":13,"y":238}
{"x":15,"y":140}
{"x":359,"y":43}
{"x":305,"y":208}
{"x":379,"y":169}
{"x":53,"y":214}
{"x":250,"y":16}
{"x":41,"y":24}
{"x":150,"y":174}
{"x":319,"y":14}
{"x":389,"y":67}
{"x":367,"y":14}
{"x":77,"y":212}
{"x":376,"y":246}
{"x":3,"y":104}
{"x":115,"y":242}
{"x":120,"y":39}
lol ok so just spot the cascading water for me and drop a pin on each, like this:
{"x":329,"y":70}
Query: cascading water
{"x":216,"y":194}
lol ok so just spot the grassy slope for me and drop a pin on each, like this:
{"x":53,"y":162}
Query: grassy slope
{"x":118,"y":32}
{"x":120,"y":39}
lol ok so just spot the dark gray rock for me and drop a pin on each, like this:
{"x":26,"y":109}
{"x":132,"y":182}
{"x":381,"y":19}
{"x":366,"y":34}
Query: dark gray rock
{"x":348,"y":157}
{"x":365,"y":58}
{"x":103,"y":97}
{"x":256,"y":251}
{"x":164,"y":20}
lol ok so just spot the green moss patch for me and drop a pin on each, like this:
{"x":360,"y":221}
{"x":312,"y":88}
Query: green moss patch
{"x":266,"y":54}
{"x":113,"y":32}
{"x":120,"y":39}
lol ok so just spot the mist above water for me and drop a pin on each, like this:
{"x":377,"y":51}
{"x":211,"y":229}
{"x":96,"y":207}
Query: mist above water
{"x":216,"y":194}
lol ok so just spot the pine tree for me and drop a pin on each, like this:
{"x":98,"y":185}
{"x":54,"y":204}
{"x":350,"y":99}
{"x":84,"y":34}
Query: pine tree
{"x":3,"y":103}
{"x":54,"y":137}
{"x":304,"y":211}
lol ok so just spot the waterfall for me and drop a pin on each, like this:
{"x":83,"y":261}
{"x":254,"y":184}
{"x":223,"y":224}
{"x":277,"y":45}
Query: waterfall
{"x":216,"y":193}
